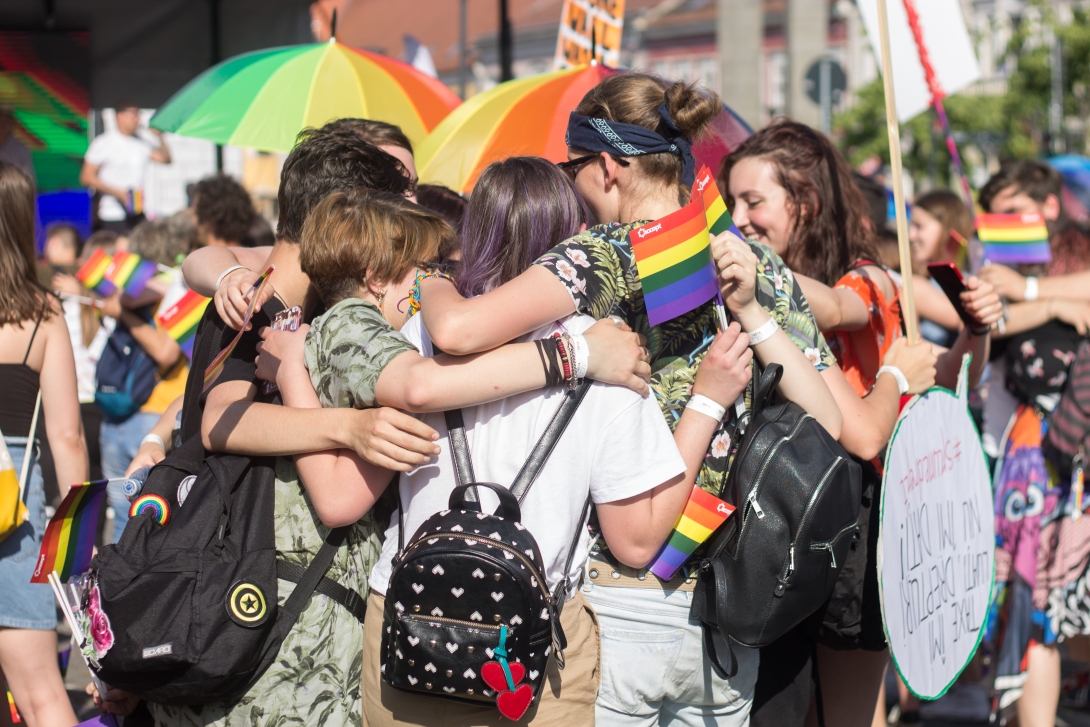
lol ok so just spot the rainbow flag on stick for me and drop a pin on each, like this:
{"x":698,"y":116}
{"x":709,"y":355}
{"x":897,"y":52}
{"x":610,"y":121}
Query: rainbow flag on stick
{"x":674,"y":259}
{"x":93,"y":274}
{"x":719,"y":219}
{"x":1014,"y":239}
{"x":703,"y":514}
{"x":181,"y":319}
{"x":69,"y":538}
{"x":213,"y":371}
{"x":131,"y":272}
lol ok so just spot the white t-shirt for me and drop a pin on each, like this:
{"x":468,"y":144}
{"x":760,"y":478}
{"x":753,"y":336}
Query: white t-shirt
{"x":86,"y":356}
{"x":616,"y":446}
{"x":122,"y":162}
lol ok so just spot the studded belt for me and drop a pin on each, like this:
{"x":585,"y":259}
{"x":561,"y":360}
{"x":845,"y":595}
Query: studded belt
{"x":605,"y":573}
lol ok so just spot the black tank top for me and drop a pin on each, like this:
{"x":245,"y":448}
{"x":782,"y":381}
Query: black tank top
{"x":18,"y":392}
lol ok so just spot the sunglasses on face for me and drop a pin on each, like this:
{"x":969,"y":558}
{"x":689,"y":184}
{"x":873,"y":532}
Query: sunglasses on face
{"x":572,"y":166}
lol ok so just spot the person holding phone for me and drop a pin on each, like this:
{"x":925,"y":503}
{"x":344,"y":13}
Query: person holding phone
{"x":938,"y":228}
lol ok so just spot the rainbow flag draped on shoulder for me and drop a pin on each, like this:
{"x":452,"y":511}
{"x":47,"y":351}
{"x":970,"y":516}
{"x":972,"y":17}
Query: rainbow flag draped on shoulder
{"x":69,"y":539}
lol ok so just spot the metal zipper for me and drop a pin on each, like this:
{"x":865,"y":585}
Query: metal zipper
{"x":752,"y":497}
{"x":809,"y":511}
{"x":453,"y":621}
{"x":488,"y":541}
{"x":828,"y":545}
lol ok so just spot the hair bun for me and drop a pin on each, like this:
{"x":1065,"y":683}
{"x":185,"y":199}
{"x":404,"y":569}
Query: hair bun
{"x":692,"y":108}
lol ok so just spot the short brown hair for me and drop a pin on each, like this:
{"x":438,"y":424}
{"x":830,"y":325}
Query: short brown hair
{"x":378,"y":133}
{"x":1036,"y":179}
{"x":358,"y":237}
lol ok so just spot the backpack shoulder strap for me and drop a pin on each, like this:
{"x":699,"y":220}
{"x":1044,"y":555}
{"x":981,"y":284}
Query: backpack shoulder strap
{"x":545,"y":445}
{"x":314,"y":573}
{"x":459,"y":452}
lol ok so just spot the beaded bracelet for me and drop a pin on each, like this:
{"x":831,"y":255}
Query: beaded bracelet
{"x":414,"y":292}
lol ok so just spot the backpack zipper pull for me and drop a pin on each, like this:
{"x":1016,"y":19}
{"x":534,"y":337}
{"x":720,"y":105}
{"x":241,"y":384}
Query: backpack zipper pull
{"x":756,"y":505}
{"x":791,"y":565}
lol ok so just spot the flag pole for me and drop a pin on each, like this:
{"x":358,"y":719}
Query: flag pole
{"x":78,"y":636}
{"x":908,"y":301}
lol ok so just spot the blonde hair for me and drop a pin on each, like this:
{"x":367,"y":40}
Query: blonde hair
{"x":361,"y":237}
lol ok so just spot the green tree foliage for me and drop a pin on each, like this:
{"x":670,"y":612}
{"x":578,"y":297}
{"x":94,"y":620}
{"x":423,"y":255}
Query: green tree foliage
{"x":1016,"y":122}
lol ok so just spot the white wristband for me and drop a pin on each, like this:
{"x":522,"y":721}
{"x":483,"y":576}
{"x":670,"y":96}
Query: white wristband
{"x":704,"y":405}
{"x":765,"y":332}
{"x":154,"y":438}
{"x":581,"y":355}
{"x":902,"y":382}
{"x":1032,"y":288}
{"x":227,"y":272}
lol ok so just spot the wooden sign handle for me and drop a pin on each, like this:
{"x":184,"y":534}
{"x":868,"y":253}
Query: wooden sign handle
{"x":908,"y":301}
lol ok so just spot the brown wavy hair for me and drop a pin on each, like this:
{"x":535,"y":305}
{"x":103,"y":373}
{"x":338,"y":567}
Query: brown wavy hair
{"x":829,"y":234}
{"x":634,"y":98}
{"x":950,"y":211}
{"x":22,"y":297}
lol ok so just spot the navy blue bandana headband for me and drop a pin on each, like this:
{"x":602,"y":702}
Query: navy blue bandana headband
{"x":629,"y":140}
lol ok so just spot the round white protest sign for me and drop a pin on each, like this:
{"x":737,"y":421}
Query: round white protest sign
{"x":936,"y":543}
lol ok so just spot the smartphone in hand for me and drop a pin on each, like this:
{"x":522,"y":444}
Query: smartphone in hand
{"x":949,"y":279}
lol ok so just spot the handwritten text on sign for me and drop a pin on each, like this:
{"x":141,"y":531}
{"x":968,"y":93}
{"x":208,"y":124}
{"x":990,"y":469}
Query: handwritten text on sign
{"x":936,"y":556}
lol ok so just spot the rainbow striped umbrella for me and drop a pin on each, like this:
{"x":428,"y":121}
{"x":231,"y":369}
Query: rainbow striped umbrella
{"x":526,"y":116}
{"x":265,"y":98}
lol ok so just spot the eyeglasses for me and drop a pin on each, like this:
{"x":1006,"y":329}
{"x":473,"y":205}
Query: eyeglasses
{"x":572,"y":166}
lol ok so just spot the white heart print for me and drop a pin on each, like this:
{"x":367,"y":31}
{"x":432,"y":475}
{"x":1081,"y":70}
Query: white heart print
{"x":516,"y":620}
{"x":533,"y":675}
{"x":452,"y":647}
{"x":448,"y":690}
{"x":437,"y":611}
{"x":456,"y":529}
{"x":414,"y":640}
{"x":469,"y":674}
{"x":418,"y":587}
{"x":413,"y":680}
{"x":478,"y":573}
{"x":430,"y":667}
{"x":475,"y":616}
{"x":438,"y":570}
{"x":457,"y":592}
{"x":497,"y":597}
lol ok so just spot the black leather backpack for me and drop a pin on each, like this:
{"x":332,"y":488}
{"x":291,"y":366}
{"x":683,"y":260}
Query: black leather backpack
{"x":776,"y":560}
{"x":468,"y":612}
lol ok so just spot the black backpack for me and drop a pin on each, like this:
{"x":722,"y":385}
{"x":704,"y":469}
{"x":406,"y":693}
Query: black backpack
{"x":192,"y":602}
{"x":470,"y":585}
{"x":126,"y":376}
{"x":776,"y":560}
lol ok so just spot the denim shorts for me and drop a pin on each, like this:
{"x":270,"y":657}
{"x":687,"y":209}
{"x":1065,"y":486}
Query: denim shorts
{"x":654,"y":671}
{"x":25,"y":605}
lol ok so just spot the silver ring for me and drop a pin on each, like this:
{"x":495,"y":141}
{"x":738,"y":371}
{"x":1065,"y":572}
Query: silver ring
{"x":617,"y":320}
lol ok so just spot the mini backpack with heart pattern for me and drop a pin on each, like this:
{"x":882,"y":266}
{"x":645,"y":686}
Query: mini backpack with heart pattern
{"x":468,"y":612}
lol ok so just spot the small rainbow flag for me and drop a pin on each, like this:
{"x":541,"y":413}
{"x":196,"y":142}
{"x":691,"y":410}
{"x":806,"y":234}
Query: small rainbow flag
{"x":674,"y":259}
{"x":181,"y":319}
{"x":703,"y":514}
{"x":213,"y":371}
{"x":131,"y":272}
{"x":1014,"y":239}
{"x":136,"y":201}
{"x":719,"y":219}
{"x":92,"y":275}
{"x":69,"y":538}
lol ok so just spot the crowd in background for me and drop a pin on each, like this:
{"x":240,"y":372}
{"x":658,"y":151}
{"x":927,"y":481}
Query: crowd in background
{"x":440,"y":298}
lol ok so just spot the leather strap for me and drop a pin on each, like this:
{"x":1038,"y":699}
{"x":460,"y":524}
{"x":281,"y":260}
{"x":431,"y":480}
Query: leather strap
{"x":459,"y":452}
{"x":347,"y":597}
{"x":314,"y":573}
{"x":710,"y":608}
{"x":547,"y":443}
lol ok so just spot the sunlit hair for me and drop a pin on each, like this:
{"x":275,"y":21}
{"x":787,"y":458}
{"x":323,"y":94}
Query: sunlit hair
{"x":828,"y":234}
{"x":634,"y":98}
{"x":949,"y":210}
{"x":520,"y":207}
{"x":22,"y":297}
{"x":366,"y":237}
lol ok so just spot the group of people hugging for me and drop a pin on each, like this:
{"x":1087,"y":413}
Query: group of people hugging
{"x":406,"y":318}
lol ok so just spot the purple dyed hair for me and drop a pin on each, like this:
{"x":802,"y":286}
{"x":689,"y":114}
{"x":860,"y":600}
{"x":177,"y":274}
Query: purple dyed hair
{"x":520,"y":208}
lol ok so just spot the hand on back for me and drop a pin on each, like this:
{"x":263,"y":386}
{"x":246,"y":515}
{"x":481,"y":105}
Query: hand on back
{"x":618,"y":356}
{"x":233,"y":296}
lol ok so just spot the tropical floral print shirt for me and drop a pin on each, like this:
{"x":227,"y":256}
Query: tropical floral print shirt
{"x":598,"y":269}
